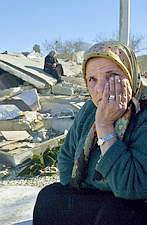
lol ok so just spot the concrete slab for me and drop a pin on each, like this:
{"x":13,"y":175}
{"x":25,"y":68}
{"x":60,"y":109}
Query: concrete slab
{"x":13,"y":125}
{"x":8,"y":112}
{"x":30,"y":98}
{"x":27,"y":70}
{"x":15,"y":135}
{"x":17,"y":203}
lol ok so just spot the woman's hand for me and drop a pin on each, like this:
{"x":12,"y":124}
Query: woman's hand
{"x":116,"y":95}
{"x":54,"y":65}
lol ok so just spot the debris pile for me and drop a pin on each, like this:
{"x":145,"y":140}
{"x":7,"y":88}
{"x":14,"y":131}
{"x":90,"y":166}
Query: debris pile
{"x":36,"y":112}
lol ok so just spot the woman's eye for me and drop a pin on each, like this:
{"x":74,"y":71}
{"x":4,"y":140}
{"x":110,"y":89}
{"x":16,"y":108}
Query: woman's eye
{"x":91,"y":79}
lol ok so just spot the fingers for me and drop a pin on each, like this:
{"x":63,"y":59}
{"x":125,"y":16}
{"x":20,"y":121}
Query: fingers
{"x":106,"y":93}
{"x":124,"y":98}
{"x":118,"y":89}
{"x":115,"y":89}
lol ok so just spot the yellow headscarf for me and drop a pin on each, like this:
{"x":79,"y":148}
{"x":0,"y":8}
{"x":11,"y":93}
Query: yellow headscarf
{"x":122,"y":55}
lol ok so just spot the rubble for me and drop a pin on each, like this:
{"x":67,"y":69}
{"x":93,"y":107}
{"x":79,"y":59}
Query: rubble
{"x":36,"y":112}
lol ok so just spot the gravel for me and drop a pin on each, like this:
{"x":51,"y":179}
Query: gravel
{"x":8,"y":177}
{"x":36,"y":181}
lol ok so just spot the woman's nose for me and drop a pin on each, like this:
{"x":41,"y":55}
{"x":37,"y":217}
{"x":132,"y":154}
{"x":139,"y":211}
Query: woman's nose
{"x":99,"y":87}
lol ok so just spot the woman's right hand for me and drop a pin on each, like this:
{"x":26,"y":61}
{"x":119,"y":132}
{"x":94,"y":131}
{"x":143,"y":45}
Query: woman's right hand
{"x":116,"y":95}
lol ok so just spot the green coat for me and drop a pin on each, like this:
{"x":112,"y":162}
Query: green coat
{"x":124,"y":166}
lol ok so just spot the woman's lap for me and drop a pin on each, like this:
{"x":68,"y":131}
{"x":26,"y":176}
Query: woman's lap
{"x":58,"y":204}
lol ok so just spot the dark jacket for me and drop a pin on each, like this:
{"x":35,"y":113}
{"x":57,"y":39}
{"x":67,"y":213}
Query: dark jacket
{"x":123,"y":168}
{"x":49,"y":61}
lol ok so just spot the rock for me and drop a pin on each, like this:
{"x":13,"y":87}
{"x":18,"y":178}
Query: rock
{"x":15,"y":135}
{"x":9,"y":112}
{"x":7,"y":160}
{"x":30,"y":98}
{"x":62,"y":89}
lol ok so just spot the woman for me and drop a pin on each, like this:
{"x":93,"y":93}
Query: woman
{"x":53,"y":67}
{"x":103,"y":162}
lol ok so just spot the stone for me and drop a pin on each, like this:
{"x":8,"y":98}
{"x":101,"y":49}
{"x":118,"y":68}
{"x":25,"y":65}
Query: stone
{"x":8,"y":112}
{"x":61,"y":89}
{"x":30,"y":98}
{"x":15,"y":135}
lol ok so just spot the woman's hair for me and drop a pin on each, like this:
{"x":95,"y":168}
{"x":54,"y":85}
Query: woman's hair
{"x":120,"y":54}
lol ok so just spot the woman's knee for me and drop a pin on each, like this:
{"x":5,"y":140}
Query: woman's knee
{"x":47,"y":198}
{"x":49,"y":192}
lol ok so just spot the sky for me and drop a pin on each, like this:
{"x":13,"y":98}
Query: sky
{"x":29,"y":22}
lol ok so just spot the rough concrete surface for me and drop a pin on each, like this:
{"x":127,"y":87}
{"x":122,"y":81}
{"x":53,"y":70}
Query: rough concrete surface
{"x":16,"y":204}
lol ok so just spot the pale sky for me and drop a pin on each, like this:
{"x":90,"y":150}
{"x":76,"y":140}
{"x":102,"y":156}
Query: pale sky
{"x":29,"y":22}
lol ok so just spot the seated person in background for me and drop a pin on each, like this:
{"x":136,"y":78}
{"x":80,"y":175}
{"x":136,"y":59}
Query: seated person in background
{"x":52,"y":66}
{"x":103,"y":161}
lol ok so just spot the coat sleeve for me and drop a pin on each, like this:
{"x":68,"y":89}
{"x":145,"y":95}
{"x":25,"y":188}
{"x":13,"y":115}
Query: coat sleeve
{"x":124,"y":165}
{"x":71,"y":143}
{"x":66,"y":156}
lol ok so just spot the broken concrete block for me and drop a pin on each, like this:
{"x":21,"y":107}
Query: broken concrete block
{"x":61,"y":125}
{"x":15,"y":135}
{"x":6,"y":159}
{"x":29,"y":121}
{"x":25,"y":100}
{"x":8,"y":146}
{"x":78,"y":57}
{"x":61,"y":89}
{"x":11,"y":92}
{"x":30,"y":98}
{"x":12,"y":125}
{"x":41,"y":147}
{"x":8,"y":112}
{"x":20,"y":155}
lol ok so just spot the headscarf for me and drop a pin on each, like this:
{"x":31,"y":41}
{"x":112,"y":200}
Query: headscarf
{"x":120,"y":54}
{"x":52,"y":53}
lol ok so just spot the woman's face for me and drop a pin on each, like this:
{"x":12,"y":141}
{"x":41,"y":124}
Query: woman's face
{"x":99,"y":71}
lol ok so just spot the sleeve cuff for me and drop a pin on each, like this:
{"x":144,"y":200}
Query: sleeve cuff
{"x":106,"y":162}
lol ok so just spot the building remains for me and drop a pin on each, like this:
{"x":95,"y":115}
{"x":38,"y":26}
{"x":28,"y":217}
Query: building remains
{"x":35,"y":110}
